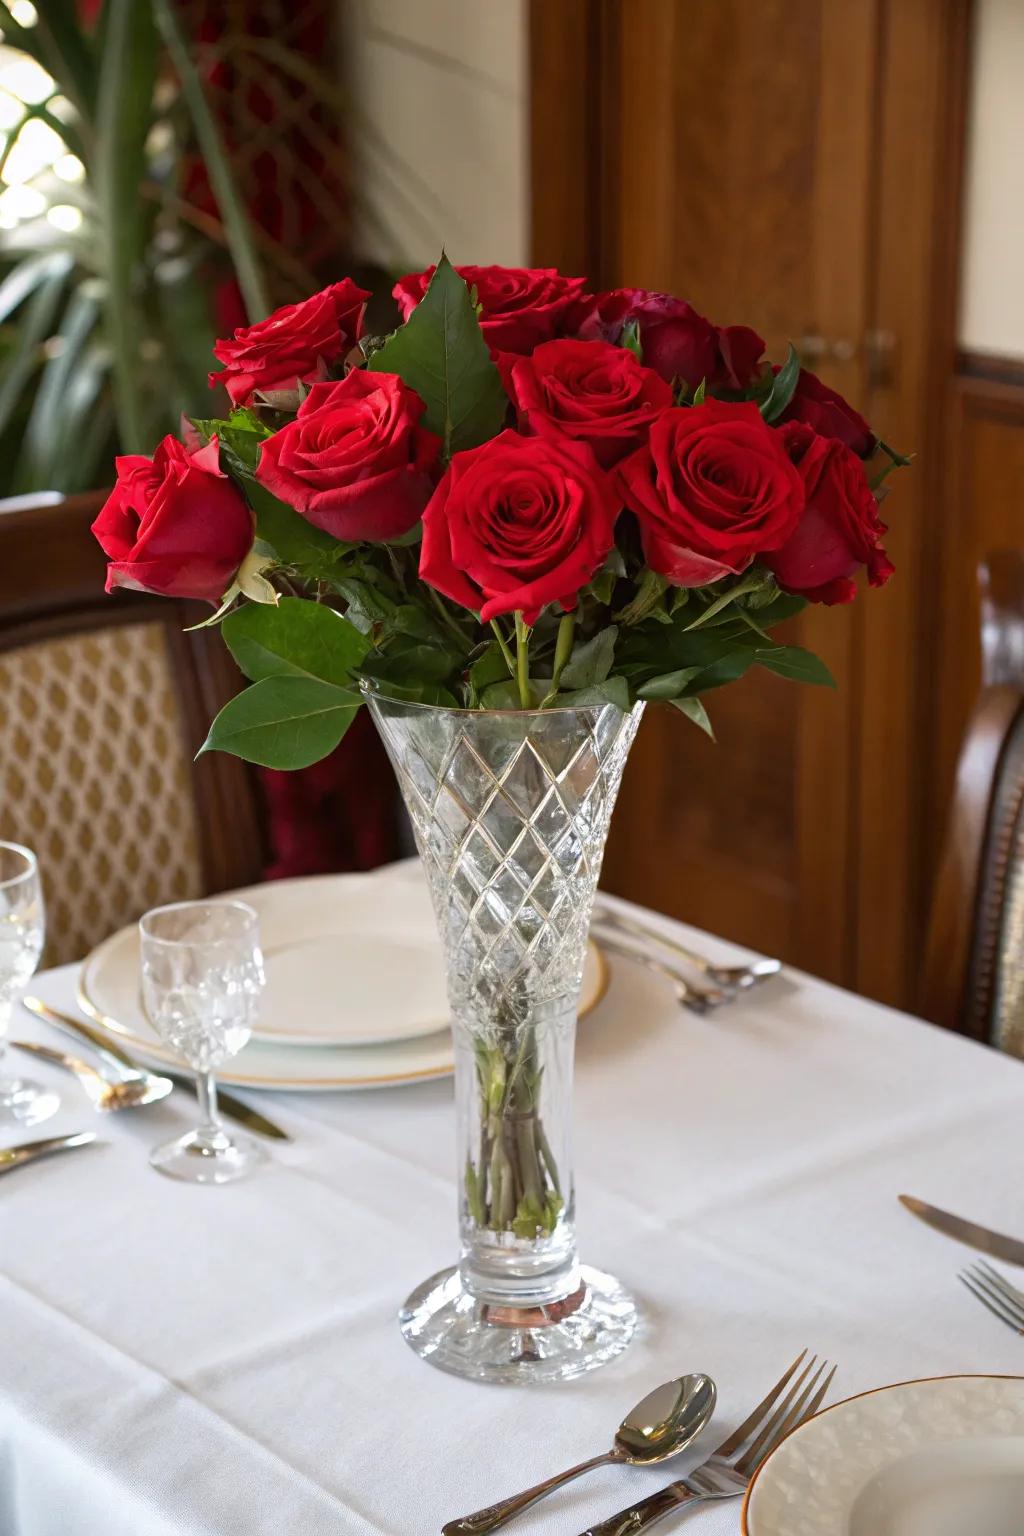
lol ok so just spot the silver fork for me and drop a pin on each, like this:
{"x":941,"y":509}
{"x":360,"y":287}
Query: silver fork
{"x":727,"y":1472}
{"x":731,"y":977}
{"x":998,"y":1295}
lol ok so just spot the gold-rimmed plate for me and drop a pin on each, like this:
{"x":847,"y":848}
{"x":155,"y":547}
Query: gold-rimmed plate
{"x":355,"y":995}
{"x":937,"y":1457}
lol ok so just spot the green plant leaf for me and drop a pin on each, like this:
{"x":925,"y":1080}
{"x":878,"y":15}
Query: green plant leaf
{"x":283,"y":722}
{"x":783,"y":385}
{"x":235,"y":218}
{"x":32,"y":332}
{"x":694,"y":710}
{"x":239,"y":436}
{"x":591,"y":660}
{"x":440,"y":352}
{"x":23,"y":279}
{"x":61,"y":44}
{"x":630,"y":339}
{"x":45,"y":432}
{"x":296,"y":543}
{"x":669,"y":685}
{"x":295,"y":638}
{"x":796,"y":664}
{"x":614,"y":690}
{"x":410,"y":661}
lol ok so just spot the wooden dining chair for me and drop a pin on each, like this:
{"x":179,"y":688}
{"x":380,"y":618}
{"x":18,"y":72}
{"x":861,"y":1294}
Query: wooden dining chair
{"x":104,"y":702}
{"x":973,"y":976}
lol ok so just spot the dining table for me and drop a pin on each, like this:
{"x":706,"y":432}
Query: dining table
{"x":178,"y":1360}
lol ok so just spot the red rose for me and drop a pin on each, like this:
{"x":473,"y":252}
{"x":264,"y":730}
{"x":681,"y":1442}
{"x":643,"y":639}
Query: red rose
{"x":829,"y":414}
{"x":520,"y":306}
{"x":517,"y":523}
{"x":296,"y":342}
{"x":590,"y":391}
{"x":677,"y":342}
{"x":840,"y":529}
{"x":355,"y":460}
{"x":174,"y":524}
{"x":713,"y":488}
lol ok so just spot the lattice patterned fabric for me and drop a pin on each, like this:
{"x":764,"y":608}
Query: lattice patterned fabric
{"x":95,"y":777}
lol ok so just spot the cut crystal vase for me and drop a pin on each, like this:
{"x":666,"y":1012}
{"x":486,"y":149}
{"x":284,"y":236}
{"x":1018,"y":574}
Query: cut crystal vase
{"x":510,"y":811}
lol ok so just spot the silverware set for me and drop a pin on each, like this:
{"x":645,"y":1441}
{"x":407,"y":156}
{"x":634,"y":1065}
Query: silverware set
{"x":712,"y":987}
{"x":663,"y":1425}
{"x":30,"y":1151}
{"x":984,"y":1282}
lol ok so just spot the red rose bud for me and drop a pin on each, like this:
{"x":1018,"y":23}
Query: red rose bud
{"x":518,"y":523}
{"x":840,"y":530}
{"x":712,"y":489}
{"x":519,"y":306}
{"x":355,"y":460}
{"x":676,"y":341}
{"x":829,"y":414}
{"x":590,"y":391}
{"x":174,"y":524}
{"x":294,"y":343}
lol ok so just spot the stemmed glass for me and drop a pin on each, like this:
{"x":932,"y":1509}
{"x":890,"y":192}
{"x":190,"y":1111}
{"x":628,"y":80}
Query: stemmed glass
{"x":22,"y":931}
{"x":202,"y":975}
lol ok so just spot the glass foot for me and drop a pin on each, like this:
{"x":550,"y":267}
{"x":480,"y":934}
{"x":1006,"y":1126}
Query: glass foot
{"x":449,"y":1327}
{"x":23,"y":1102}
{"x":199,"y":1158}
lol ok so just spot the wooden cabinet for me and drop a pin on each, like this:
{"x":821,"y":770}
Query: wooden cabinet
{"x":791,"y":165}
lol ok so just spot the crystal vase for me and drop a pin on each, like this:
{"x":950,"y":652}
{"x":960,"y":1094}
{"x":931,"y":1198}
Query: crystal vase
{"x":510,"y":811}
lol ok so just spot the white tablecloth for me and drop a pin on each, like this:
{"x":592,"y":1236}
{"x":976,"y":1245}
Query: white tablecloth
{"x":225,"y":1362}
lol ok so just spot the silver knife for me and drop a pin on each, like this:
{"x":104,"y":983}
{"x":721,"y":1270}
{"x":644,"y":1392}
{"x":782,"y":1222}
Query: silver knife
{"x":996,"y":1244}
{"x":28,"y":1151}
{"x":115,"y":1054}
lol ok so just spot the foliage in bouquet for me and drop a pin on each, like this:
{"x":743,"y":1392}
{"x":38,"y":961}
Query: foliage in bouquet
{"x":527,"y":496}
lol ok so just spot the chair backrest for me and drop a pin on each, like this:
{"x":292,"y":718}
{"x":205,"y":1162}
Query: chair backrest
{"x":973,"y":977}
{"x":104,"y":702}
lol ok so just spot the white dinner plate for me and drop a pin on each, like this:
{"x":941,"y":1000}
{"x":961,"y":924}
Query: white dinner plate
{"x":355,"y":993}
{"x":939,"y":1457}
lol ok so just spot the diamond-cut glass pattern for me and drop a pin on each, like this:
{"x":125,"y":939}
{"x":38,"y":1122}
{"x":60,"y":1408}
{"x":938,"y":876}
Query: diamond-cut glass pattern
{"x":510,"y":812}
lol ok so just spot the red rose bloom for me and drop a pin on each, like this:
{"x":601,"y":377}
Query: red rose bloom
{"x":677,"y":342}
{"x":712,"y":489}
{"x":590,"y":391}
{"x":518,"y":523}
{"x":840,"y":529}
{"x":829,"y":414}
{"x":174,"y":524}
{"x":355,"y":460}
{"x":520,"y":306}
{"x":296,"y":342}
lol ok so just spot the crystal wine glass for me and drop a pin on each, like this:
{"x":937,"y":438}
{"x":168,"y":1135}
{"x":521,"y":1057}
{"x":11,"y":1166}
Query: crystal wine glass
{"x":22,"y":930}
{"x":202,"y":975}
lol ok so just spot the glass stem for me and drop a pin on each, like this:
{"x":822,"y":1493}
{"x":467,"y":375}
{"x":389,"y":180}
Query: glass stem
{"x":207,"y":1092}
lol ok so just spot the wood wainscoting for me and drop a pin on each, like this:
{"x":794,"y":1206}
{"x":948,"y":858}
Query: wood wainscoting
{"x":794,"y":165}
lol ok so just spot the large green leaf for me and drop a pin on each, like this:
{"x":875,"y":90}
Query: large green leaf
{"x":591,"y":660}
{"x":123,"y":117}
{"x":282,"y":532}
{"x":441,"y":353}
{"x":297,"y":638}
{"x":45,"y":433}
{"x":694,"y":710}
{"x":23,"y":280}
{"x":235,"y":218}
{"x":284,"y":722}
{"x":614,"y":690}
{"x":796,"y":664}
{"x":59,"y":42}
{"x":33,"y":331}
{"x":669,"y":685}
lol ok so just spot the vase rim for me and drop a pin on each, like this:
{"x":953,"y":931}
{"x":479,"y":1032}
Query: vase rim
{"x":502,"y":714}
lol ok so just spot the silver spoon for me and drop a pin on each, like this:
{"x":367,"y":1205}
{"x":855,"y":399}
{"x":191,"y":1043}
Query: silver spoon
{"x":667,"y":1420}
{"x":105,"y":1096}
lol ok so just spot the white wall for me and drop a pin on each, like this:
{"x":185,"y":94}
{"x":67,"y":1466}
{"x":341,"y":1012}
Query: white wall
{"x":992,"y":295}
{"x":438,"y":129}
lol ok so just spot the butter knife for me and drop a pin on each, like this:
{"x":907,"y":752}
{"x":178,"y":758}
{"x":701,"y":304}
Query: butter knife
{"x":996,"y":1244}
{"x":28,"y":1151}
{"x":116,"y":1055}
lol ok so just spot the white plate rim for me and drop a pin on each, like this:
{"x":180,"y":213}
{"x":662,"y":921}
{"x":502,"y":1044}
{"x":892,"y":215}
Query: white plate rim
{"x":891,"y":1386}
{"x":158,"y":1051}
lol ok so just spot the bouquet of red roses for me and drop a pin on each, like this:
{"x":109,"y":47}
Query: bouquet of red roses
{"x":526,"y":495}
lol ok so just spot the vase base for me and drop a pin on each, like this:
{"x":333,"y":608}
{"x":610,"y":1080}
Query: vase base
{"x":449,"y":1327}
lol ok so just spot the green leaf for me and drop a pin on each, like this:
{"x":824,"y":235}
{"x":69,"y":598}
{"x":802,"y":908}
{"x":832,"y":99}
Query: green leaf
{"x":614,"y":690}
{"x":440,"y":352}
{"x":796,"y":664}
{"x":32,"y":332}
{"x":45,"y":433}
{"x":284,"y":722}
{"x":410,"y":663}
{"x":783,"y":385}
{"x":294,"y":541}
{"x":591,"y":660}
{"x":25,"y":278}
{"x":295,"y":638}
{"x":783,"y":606}
{"x":630,"y":339}
{"x":669,"y":685}
{"x":61,"y":44}
{"x":694,"y":710}
{"x":725,"y":670}
{"x":230,"y":203}
{"x":240,"y":436}
{"x":700,"y":392}
{"x":124,"y":113}
{"x":489,"y":668}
